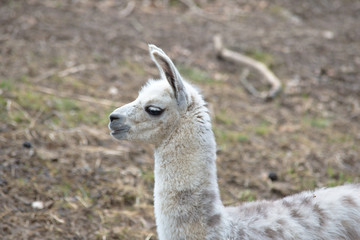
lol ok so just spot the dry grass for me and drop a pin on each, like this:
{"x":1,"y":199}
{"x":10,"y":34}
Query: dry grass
{"x":55,"y":150}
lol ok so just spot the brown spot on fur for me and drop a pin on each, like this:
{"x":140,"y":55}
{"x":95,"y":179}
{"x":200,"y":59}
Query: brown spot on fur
{"x":321,"y":214}
{"x":271,"y":233}
{"x":241,"y":233}
{"x":349,"y":201}
{"x":207,"y":199}
{"x":208,"y":196}
{"x":214,"y":220}
{"x":280,"y":233}
{"x":295,"y":213}
{"x":300,"y":218}
{"x":184,"y":197}
{"x":259,"y":210}
{"x":287,"y":204}
{"x":194,"y":206}
{"x":306,"y":200}
{"x":350,"y":230}
{"x":188,"y":218}
{"x":262,"y":211}
{"x":200,"y":117}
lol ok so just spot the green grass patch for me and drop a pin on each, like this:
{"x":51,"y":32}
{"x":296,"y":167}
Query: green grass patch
{"x":263,"y":128}
{"x":320,"y":123}
{"x":340,"y":137}
{"x":148,"y":176}
{"x":57,"y":61}
{"x":71,"y":113}
{"x":261,"y":56}
{"x":21,"y":182}
{"x":276,"y":9}
{"x":195,"y":74}
{"x":223,"y":118}
{"x":19,"y":117}
{"x":7,"y":84}
{"x":308,"y":183}
{"x":49,"y":111}
{"x":65,"y":105}
{"x":32,"y":100}
{"x":2,"y":102}
{"x":316,"y":122}
{"x":225,"y":137}
{"x":3,"y":112}
{"x":337,"y":178}
{"x":133,"y":67}
{"x":64,"y":189}
{"x":247,"y":196}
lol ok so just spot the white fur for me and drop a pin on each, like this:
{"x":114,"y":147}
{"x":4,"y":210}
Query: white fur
{"x":186,"y":194}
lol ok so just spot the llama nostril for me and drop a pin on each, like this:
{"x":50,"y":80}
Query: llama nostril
{"x":114,"y":116}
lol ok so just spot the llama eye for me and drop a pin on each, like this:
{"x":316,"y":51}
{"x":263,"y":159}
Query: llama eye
{"x":155,"y":111}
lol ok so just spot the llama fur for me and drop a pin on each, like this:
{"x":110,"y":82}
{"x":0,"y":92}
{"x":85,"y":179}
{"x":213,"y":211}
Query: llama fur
{"x":186,"y":194}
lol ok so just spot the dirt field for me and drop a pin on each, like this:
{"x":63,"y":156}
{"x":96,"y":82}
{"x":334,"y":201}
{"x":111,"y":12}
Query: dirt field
{"x":65,"y":65}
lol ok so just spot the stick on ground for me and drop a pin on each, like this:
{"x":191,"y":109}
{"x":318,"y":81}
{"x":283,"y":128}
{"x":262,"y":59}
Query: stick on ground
{"x":229,"y":55}
{"x":78,"y":97}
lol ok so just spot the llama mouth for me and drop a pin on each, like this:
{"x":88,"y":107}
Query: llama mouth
{"x":119,"y":131}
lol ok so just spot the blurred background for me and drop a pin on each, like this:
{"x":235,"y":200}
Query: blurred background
{"x":65,"y":65}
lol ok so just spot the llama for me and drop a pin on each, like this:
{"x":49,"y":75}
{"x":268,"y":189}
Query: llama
{"x":171,"y":114}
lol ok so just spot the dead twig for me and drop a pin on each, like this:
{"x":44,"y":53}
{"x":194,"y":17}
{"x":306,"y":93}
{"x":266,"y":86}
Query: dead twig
{"x":149,"y":236}
{"x":81,"y":98}
{"x":66,"y":72}
{"x":35,"y":119}
{"x":198,"y":11}
{"x":12,"y":104}
{"x":247,"y":85}
{"x":76,"y":69}
{"x":227,"y":54}
{"x":128,"y":9}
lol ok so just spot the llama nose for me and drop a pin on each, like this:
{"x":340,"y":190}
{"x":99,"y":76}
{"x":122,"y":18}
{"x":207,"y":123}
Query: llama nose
{"x":116,"y":116}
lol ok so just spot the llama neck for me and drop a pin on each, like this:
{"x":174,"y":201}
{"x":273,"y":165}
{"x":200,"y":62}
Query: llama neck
{"x":187,"y":201}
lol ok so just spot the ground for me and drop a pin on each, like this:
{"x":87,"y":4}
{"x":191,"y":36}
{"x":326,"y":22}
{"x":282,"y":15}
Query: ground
{"x":65,"y":65}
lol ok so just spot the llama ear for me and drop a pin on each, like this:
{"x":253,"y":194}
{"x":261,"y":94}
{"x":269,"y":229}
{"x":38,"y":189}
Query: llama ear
{"x":169,"y":71}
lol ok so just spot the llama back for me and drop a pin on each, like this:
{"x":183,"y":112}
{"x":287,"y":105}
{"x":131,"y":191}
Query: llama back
{"x":329,"y":213}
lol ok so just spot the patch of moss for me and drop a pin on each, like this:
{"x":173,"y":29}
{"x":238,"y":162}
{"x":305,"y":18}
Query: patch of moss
{"x":320,"y":122}
{"x":263,"y":128}
{"x":195,"y":75}
{"x":337,"y":178}
{"x":31,"y":100}
{"x":223,"y":118}
{"x":225,"y":137}
{"x":261,"y":56}
{"x":64,"y":104}
{"x":133,"y":67}
{"x":7,"y":84}
{"x":247,"y":196}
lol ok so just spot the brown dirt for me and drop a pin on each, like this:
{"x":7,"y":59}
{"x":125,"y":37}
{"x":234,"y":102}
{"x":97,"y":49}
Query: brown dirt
{"x":93,"y":187}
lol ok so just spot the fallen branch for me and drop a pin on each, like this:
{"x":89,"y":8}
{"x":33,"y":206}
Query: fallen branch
{"x":198,"y":11}
{"x":227,"y":54}
{"x":76,"y":69}
{"x":128,"y":9}
{"x":66,"y":72}
{"x":247,"y":85}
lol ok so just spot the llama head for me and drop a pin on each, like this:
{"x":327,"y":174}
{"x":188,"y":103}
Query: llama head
{"x":159,"y":107}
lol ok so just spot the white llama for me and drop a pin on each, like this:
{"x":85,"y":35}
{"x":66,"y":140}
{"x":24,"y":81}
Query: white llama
{"x":172,"y":115}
